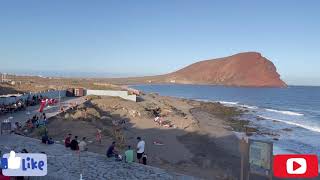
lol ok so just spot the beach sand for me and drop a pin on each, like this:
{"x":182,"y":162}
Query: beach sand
{"x":201,"y":143}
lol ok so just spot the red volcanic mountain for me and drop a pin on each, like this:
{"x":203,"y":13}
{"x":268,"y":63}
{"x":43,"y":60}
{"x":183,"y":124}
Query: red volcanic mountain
{"x":243,"y":69}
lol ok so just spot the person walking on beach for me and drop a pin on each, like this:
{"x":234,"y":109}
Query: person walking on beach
{"x":140,"y":149}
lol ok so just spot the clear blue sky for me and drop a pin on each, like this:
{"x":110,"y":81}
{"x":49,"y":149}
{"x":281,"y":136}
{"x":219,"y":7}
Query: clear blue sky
{"x":137,"y":37}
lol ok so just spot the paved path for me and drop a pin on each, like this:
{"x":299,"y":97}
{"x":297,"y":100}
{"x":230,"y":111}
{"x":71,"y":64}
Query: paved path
{"x":65,"y":164}
{"x":23,"y":116}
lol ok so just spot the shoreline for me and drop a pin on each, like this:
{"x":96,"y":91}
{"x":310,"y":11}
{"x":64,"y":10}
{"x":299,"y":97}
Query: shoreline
{"x":201,"y":143}
{"x":260,"y":132}
{"x":198,"y":122}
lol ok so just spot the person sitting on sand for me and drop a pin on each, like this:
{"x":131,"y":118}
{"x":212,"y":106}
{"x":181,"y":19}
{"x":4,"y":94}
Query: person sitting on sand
{"x":112,"y":152}
{"x":83,"y":145}
{"x":17,"y":128}
{"x":34,"y":119}
{"x":45,"y":138}
{"x":74,"y":145}
{"x":24,"y":151}
{"x":67,"y":141}
{"x":37,"y":121}
{"x":129,"y":155}
{"x":158,"y":120}
{"x":29,"y":124}
{"x":45,"y":122}
{"x":140,"y":149}
{"x":40,"y":123}
{"x":50,"y":141}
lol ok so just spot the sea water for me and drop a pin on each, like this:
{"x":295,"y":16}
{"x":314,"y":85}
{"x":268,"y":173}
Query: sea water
{"x":291,"y":114}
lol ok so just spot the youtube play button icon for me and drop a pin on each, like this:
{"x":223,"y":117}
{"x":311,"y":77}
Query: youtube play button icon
{"x":295,"y":166}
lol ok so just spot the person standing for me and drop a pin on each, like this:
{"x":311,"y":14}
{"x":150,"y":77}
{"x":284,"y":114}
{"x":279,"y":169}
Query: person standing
{"x":140,"y":149}
{"x":98,"y":136}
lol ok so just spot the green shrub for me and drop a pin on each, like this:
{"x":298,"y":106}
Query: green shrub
{"x":42,"y":130}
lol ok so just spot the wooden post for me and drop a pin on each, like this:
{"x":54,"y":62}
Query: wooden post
{"x":242,"y":169}
{"x":243,"y":148}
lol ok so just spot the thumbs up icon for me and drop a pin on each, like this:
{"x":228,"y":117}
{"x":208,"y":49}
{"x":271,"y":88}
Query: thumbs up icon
{"x":13,"y":161}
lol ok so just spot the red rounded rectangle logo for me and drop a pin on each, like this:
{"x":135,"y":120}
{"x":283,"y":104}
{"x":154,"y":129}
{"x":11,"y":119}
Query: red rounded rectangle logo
{"x":295,"y":166}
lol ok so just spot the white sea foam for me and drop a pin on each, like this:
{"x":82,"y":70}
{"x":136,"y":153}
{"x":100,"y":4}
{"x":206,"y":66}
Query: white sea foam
{"x":203,"y":100}
{"x":311,"y":128}
{"x":285,"y":112}
{"x":228,"y":102}
{"x":249,"y":107}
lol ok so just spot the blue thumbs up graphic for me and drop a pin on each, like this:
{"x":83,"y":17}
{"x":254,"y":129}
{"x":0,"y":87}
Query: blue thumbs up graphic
{"x":4,"y":163}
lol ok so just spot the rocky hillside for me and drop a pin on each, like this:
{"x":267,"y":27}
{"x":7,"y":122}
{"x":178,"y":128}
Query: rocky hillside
{"x":244,"y":69}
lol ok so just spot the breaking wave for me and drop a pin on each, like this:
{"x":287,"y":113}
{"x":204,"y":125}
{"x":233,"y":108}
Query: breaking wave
{"x":315,"y":129}
{"x":249,"y":107}
{"x":228,"y":102}
{"x":285,"y":112}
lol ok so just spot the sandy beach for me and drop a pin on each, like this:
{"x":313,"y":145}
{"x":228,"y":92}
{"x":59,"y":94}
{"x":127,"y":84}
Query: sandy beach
{"x":200,"y":141}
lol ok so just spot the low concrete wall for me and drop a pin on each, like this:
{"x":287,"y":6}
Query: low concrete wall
{"x":49,"y":94}
{"x":122,"y":94}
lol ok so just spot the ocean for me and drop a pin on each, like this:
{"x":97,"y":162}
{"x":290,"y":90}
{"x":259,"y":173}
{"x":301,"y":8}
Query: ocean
{"x":290,"y":117}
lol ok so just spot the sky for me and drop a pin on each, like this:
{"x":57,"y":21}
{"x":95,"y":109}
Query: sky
{"x":145,"y":37}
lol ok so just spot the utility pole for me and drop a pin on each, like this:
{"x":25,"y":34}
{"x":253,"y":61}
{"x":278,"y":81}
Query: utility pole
{"x":3,"y":77}
{"x":59,"y":98}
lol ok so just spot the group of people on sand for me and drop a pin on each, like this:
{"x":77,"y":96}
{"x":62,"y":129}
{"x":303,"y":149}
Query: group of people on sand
{"x":74,"y":144}
{"x":45,"y":139}
{"x":35,"y":122}
{"x":128,"y":156}
{"x":19,"y":105}
{"x":165,"y":123}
